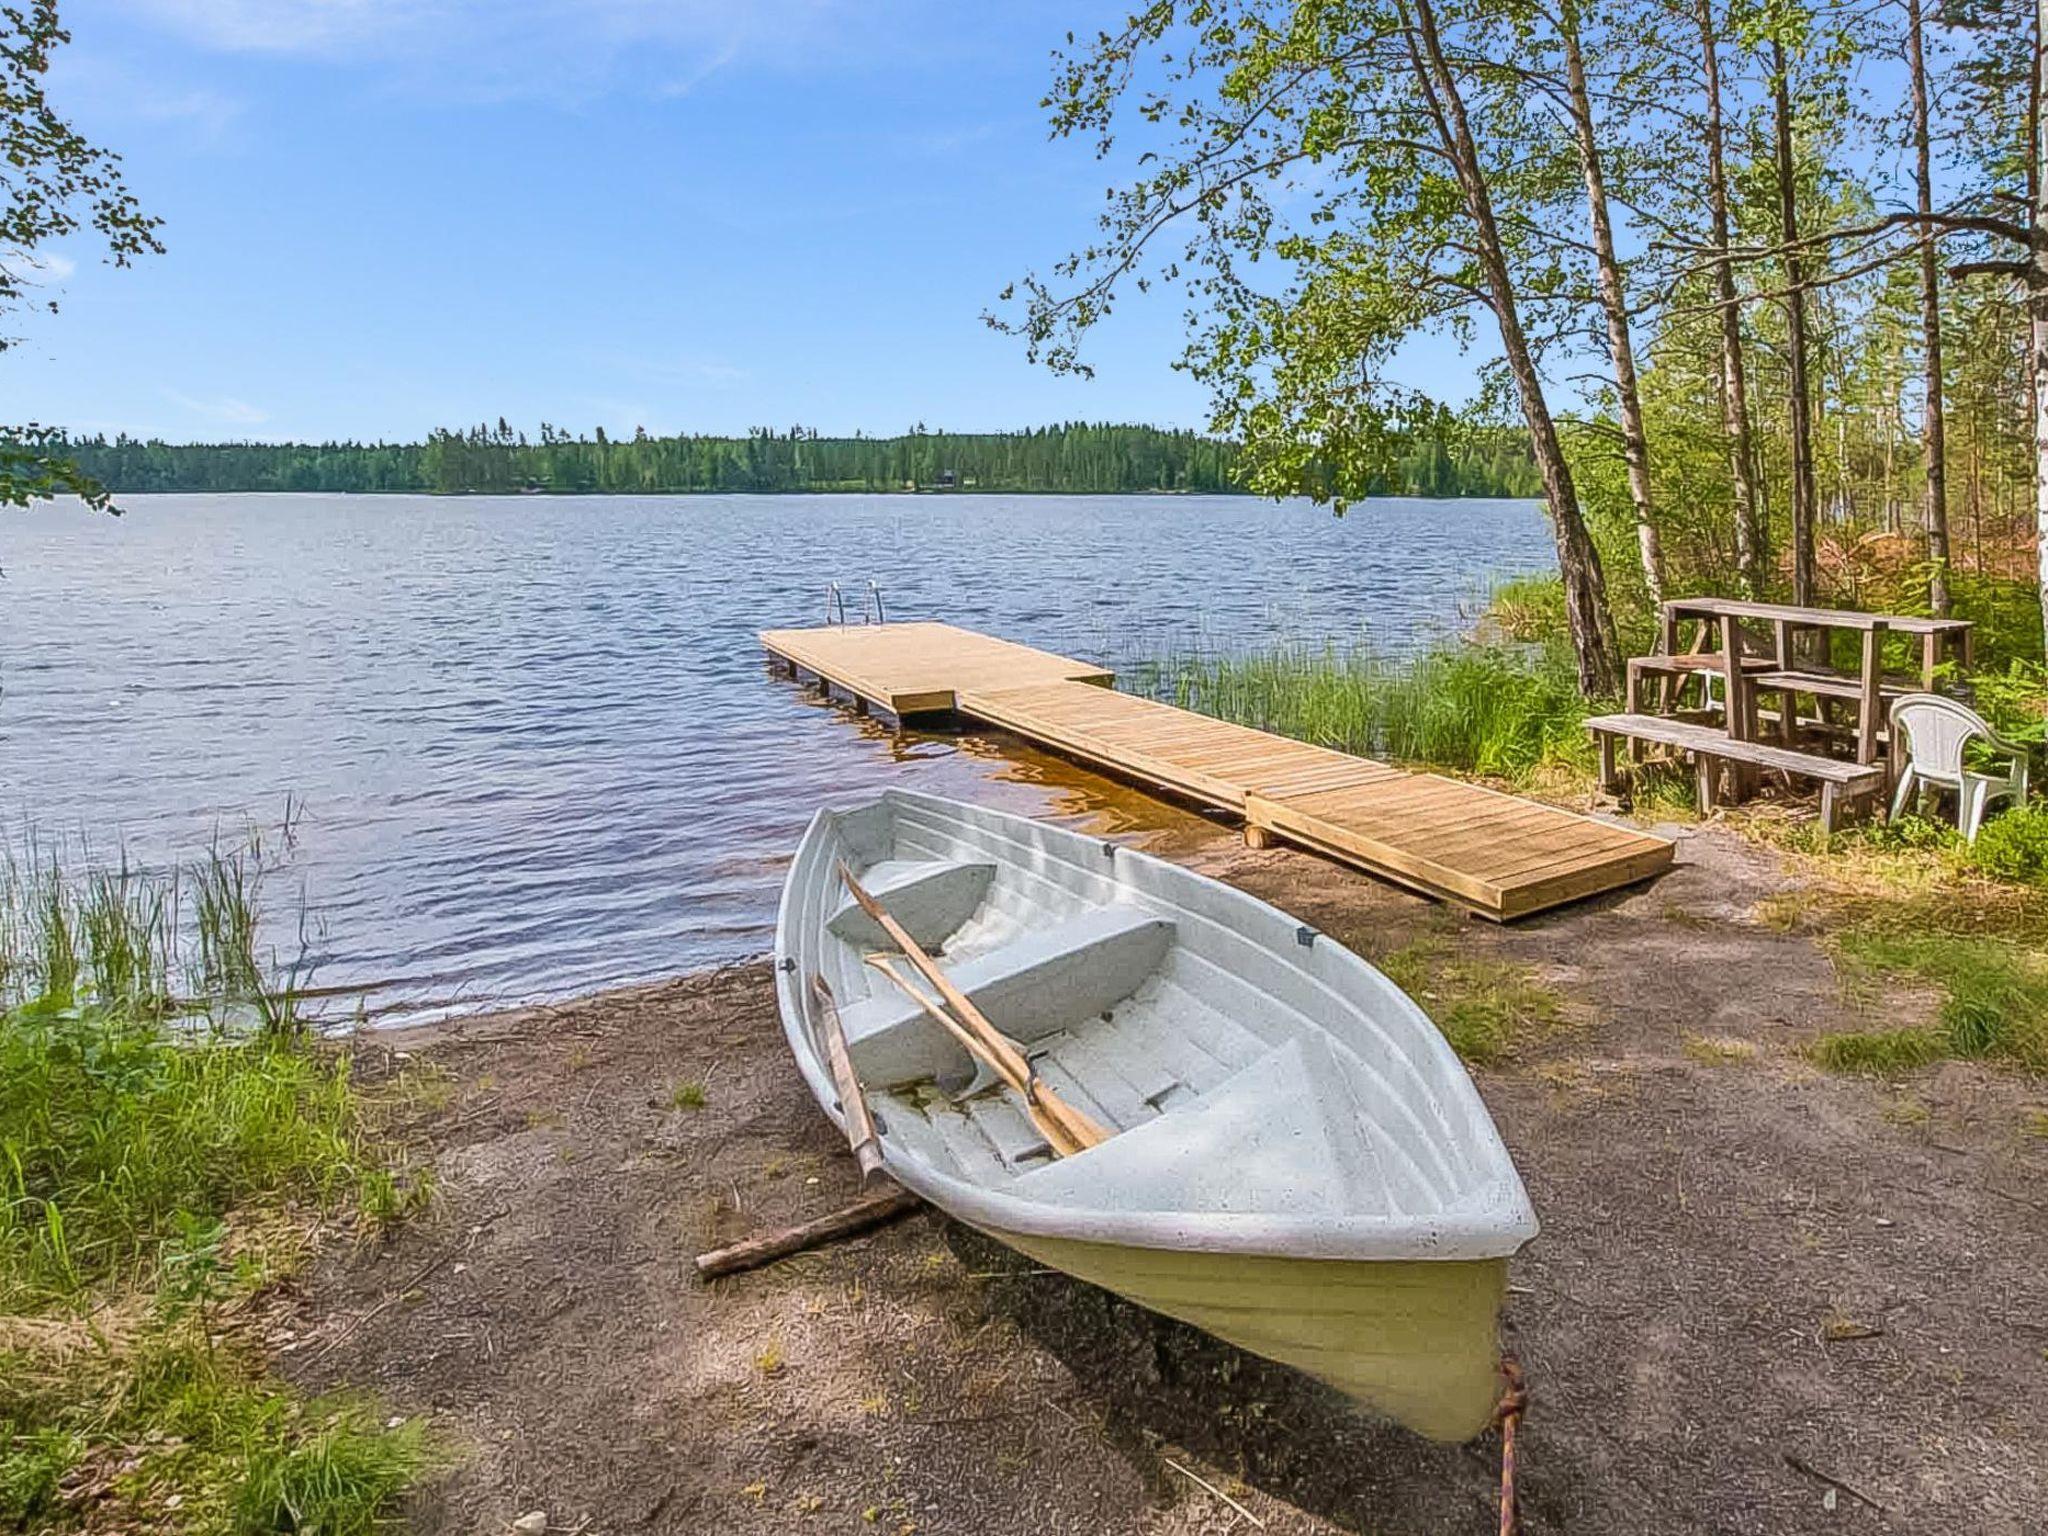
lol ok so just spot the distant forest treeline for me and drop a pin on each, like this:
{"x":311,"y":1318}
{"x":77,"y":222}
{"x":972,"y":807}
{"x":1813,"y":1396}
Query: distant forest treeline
{"x":1449,"y":458}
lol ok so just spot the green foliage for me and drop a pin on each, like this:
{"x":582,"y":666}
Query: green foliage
{"x":149,"y":1147}
{"x":124,"y":1113}
{"x":2007,"y":619}
{"x":689,"y":1094}
{"x":1908,"y":833}
{"x":2012,"y":845}
{"x":1442,"y":457}
{"x":2015,"y":701}
{"x":1995,"y":1003}
{"x":34,"y":467}
{"x":57,"y":183}
{"x":1475,"y":708}
{"x":111,"y":1132}
{"x":161,"y":1429}
{"x":387,"y":1197}
{"x":1528,"y":610}
{"x":1881,"y":1052}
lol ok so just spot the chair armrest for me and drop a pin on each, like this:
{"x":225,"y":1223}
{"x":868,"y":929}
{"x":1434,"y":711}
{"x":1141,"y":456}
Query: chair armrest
{"x":1998,"y":743}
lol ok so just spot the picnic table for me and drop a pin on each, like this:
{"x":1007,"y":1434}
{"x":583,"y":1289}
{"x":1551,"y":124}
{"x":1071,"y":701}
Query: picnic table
{"x":1797,"y":660}
{"x":1794,"y":662}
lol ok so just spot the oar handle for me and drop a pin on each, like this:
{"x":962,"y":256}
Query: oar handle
{"x":853,"y":1104}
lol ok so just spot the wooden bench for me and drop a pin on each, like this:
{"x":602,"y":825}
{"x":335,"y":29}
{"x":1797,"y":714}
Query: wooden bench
{"x":1675,"y":668}
{"x":1713,"y":750}
{"x":1873,"y":709}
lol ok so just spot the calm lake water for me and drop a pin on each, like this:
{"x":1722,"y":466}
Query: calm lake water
{"x":530,"y":744}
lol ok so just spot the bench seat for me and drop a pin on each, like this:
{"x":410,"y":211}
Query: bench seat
{"x":1833,"y":685}
{"x":1711,"y":748}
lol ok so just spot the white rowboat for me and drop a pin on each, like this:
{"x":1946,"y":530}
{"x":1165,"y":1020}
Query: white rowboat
{"x":1299,"y":1163}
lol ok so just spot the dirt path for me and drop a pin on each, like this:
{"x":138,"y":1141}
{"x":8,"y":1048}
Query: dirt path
{"x":1752,"y":1277}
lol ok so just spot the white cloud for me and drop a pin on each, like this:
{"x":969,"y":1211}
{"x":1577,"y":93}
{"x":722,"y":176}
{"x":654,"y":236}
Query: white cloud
{"x":113,"y":88}
{"x":41,"y":267}
{"x":497,"y":49}
{"x":208,"y":112}
{"x":682,"y":370}
{"x":287,"y":26}
{"x":224,"y":409}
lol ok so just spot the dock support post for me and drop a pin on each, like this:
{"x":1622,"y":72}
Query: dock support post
{"x":1258,"y":837}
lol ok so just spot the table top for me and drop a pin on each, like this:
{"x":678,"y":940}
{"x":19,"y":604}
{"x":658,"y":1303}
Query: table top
{"x":1820,"y":618}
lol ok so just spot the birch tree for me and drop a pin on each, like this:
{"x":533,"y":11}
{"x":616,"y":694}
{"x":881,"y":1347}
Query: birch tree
{"x":1323,"y":185}
{"x":1751,"y":552}
{"x":1934,"y":448}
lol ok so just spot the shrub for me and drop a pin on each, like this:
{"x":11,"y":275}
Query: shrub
{"x":2013,"y":846}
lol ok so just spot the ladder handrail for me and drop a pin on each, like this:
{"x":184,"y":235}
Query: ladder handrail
{"x":834,"y":600}
{"x":874,"y":592}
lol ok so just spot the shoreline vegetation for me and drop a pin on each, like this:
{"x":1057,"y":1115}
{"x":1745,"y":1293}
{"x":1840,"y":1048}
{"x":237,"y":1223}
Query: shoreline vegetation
{"x":1443,"y":456}
{"x":178,"y":1147}
{"x":174,"y":1143}
{"x":1899,"y":902}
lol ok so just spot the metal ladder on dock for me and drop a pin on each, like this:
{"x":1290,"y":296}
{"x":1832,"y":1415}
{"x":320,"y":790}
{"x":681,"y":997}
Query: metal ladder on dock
{"x":870,"y":604}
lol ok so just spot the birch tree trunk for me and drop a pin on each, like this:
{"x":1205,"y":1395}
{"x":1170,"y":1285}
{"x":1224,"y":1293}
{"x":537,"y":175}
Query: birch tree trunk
{"x":1933,"y":432}
{"x":2037,"y":298}
{"x":1801,"y":399}
{"x":1587,"y":615}
{"x":1635,"y":442}
{"x":1751,"y":552}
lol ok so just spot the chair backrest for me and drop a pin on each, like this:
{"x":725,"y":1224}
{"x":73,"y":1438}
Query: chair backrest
{"x":1936,"y":730}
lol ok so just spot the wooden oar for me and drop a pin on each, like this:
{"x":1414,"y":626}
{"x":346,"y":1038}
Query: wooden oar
{"x":853,"y":1104}
{"x":1056,"y":1134}
{"x":1013,"y":1067}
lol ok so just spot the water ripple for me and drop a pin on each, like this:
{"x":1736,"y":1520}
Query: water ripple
{"x":535,"y":745}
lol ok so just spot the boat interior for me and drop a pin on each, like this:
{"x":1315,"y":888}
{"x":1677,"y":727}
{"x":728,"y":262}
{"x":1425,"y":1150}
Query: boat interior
{"x":1237,"y":1071}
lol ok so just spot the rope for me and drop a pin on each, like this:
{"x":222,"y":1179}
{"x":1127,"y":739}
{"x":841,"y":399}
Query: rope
{"x":1514,"y":1403}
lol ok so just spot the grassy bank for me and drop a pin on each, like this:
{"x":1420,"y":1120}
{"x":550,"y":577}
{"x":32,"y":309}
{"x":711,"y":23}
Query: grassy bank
{"x":1501,"y":708}
{"x":170,"y":1138}
{"x":1901,"y":905}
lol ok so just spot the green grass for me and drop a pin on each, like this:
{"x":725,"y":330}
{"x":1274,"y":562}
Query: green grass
{"x":1994,"y":1006}
{"x":688,"y":1094}
{"x":167,"y":1128}
{"x":1501,"y":710}
{"x":1488,"y":1009}
{"x":168,"y":1431}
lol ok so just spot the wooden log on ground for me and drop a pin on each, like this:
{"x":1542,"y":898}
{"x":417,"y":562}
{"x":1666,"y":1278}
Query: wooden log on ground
{"x":849,"y":1221}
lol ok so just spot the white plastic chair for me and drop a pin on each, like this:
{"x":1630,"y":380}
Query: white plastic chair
{"x":1935,"y":731}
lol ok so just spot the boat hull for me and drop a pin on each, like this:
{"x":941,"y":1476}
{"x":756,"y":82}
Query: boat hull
{"x":1414,"y":1339}
{"x":1299,"y":1163}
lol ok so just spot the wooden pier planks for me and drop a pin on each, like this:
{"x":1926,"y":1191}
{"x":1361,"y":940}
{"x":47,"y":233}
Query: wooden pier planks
{"x":1500,"y":855}
{"x":917,"y":668}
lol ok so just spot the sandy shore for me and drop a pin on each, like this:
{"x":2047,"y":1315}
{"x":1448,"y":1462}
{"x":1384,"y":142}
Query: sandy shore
{"x":1753,"y":1277}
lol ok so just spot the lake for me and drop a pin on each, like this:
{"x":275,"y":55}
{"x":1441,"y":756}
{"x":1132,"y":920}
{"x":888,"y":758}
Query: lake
{"x":529,"y":743}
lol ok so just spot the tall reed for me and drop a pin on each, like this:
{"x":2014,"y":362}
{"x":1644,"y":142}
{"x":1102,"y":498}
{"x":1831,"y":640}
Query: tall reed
{"x":1501,"y":710}
{"x":151,"y":943}
{"x":167,"y":1131}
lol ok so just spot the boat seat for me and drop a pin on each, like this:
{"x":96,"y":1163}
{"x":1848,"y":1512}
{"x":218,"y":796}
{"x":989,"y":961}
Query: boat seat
{"x":929,"y":897}
{"x":1037,"y":984}
{"x":1281,"y":1137}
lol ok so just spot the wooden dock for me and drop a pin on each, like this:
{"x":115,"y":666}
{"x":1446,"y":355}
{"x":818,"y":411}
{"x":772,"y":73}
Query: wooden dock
{"x":1500,"y":855}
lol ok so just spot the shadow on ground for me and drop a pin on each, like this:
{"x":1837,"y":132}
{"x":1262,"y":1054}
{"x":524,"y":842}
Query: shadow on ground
{"x":1158,"y":1384}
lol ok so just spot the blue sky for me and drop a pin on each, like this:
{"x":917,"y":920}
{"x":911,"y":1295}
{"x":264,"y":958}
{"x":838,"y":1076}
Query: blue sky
{"x":387,"y":215}
{"x":384,"y":216}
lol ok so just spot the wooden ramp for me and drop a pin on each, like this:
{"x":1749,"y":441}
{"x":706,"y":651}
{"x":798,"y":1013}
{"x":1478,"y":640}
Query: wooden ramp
{"x":1500,"y":855}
